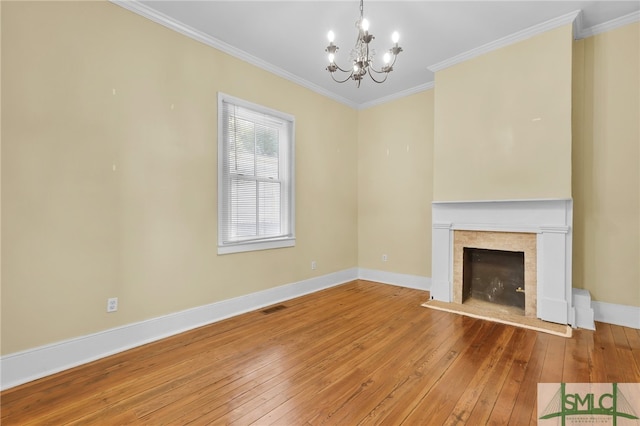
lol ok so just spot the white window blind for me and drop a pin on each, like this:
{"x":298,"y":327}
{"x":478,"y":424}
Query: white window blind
{"x":255,"y":178}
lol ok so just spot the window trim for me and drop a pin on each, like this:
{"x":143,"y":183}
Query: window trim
{"x":258,"y":243}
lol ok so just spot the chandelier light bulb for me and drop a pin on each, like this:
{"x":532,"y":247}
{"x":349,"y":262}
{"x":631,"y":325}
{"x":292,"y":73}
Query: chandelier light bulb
{"x":365,"y":25}
{"x":331,"y":57}
{"x":331,"y":36}
{"x":395,"y":37}
{"x":387,"y":57}
{"x":355,"y":68}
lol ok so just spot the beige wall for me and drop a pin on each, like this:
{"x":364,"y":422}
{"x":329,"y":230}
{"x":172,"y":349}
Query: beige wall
{"x":503,"y":123}
{"x":395,"y":169}
{"x":109,"y":173}
{"x":606,"y":164}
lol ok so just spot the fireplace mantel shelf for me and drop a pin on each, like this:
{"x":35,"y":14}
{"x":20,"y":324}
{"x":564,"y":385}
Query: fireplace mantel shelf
{"x":522,"y":200}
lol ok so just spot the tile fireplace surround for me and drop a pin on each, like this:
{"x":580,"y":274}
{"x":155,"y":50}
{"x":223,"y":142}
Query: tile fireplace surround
{"x":548,"y":221}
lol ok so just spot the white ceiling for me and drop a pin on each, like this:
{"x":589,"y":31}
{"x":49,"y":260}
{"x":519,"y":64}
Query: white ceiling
{"x":289,"y":37}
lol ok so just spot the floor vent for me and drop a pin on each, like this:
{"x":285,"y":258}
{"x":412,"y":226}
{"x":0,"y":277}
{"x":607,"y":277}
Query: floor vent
{"x":273,"y":309}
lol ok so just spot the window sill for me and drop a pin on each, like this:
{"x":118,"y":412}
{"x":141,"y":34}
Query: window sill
{"x":257,"y":245}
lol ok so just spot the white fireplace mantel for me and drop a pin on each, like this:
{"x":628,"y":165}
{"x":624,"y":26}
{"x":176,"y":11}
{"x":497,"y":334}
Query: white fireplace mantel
{"x":551,"y":220}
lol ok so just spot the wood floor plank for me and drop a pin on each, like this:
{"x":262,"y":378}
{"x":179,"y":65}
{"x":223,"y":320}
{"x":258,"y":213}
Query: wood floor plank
{"x":525,"y":406}
{"x":378,"y":377}
{"x":286,"y":385}
{"x":439,"y":402}
{"x":508,"y":395}
{"x":633,"y":337}
{"x":435,"y":357}
{"x":576,"y":360}
{"x":488,"y":397}
{"x":553,"y":361}
{"x":619,"y":337}
{"x":295,"y":344}
{"x":605,"y":343}
{"x":359,"y":353}
{"x":236,"y":389}
{"x":624,"y":350}
{"x":461,"y":412}
{"x":597,"y":365}
{"x":280,"y":391}
{"x":431,"y":371}
{"x":298,"y":342}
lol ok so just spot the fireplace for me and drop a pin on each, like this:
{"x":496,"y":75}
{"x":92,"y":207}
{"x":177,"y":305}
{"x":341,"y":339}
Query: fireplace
{"x":510,"y":244}
{"x":494,"y":276}
{"x":538,"y":230}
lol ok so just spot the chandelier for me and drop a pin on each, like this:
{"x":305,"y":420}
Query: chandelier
{"x":361,"y":56}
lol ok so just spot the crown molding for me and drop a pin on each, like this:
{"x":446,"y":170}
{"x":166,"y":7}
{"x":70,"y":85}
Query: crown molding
{"x":578,"y":24}
{"x":398,"y":95}
{"x":609,"y":25}
{"x":145,"y":11}
{"x":574,"y":17}
{"x":505,"y":41}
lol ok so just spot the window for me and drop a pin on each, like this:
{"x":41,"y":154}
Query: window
{"x":255,"y":177}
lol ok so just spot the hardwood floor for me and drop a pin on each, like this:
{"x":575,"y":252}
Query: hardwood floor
{"x":360,"y":353}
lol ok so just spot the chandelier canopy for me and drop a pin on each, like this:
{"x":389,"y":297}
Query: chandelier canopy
{"x":362,"y":56}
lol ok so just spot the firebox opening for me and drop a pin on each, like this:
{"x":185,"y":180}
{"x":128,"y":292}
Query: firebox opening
{"x":495,"y":276}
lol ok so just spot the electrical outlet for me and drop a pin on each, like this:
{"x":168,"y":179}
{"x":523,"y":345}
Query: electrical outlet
{"x":384,"y":258}
{"x":112,"y":304}
{"x":314,"y":265}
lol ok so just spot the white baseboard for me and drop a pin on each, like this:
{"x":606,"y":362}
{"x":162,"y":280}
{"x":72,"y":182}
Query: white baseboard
{"x":582,"y":309}
{"x":394,"y":278}
{"x":25,"y":366}
{"x":628,"y":316}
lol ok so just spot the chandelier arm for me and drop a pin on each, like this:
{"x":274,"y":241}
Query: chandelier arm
{"x":341,"y":81}
{"x":376,"y":71}
{"x":395,"y":57}
{"x":337,"y":66}
{"x":379,"y":81}
{"x":389,"y":66}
